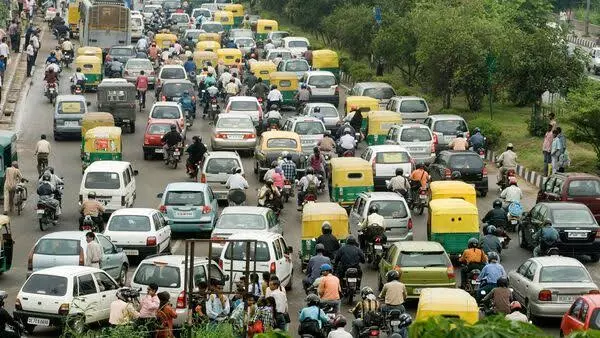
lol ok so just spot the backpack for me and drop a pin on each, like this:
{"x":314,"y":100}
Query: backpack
{"x":311,"y":188}
{"x":309,"y":326}
{"x":373,"y":318}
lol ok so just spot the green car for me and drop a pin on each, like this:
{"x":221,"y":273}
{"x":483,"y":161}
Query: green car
{"x":421,"y":265}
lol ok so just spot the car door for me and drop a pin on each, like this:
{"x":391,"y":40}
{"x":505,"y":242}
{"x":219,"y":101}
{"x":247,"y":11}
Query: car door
{"x":107,"y":290}
{"x":356,"y":213}
{"x":572,"y":321}
{"x":517,"y":282}
{"x":528,"y":281}
{"x":111,"y":262}
{"x":87,"y":297}
{"x":161,"y":232}
{"x":279,"y":259}
{"x":287,"y":263}
{"x":388,"y":261}
{"x":212,"y":201}
{"x":127,"y":188}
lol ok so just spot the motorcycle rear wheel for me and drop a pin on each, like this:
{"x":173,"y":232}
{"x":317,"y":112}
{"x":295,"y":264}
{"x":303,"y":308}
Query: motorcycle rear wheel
{"x":42,"y":224}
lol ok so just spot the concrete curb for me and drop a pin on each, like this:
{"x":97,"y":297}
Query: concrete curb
{"x":530,"y":176}
{"x":581,"y":41}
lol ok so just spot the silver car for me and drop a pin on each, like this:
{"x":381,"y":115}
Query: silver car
{"x":277,"y":37}
{"x":134,"y":66}
{"x":444,"y":128}
{"x":70,"y":248}
{"x":416,"y":138}
{"x":549,"y":285}
{"x":377,"y":90}
{"x":240,"y":33}
{"x":247,"y":105}
{"x":245,"y":44}
{"x":393,"y":208}
{"x":216,"y":169}
{"x":233,"y":132}
{"x":310,"y":130}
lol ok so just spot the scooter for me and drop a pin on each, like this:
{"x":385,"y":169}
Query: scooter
{"x":46,"y":214}
{"x":173,"y":157}
{"x":287,"y":191}
{"x":51,"y":91}
{"x":67,"y":59}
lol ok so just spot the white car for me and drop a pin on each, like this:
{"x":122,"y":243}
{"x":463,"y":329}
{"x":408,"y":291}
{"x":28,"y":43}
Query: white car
{"x":310,"y":129}
{"x":416,"y":138}
{"x":298,"y":45}
{"x":386,"y":159}
{"x":217,"y":168}
{"x":275,"y":52}
{"x":80,"y":294}
{"x":137,"y":25}
{"x":140,"y":232}
{"x":168,"y":271}
{"x":171,"y":72}
{"x":323,"y":86}
{"x":247,"y":105}
{"x":272,"y":254}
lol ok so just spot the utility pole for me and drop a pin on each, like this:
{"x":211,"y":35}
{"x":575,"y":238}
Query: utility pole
{"x":587,"y":19}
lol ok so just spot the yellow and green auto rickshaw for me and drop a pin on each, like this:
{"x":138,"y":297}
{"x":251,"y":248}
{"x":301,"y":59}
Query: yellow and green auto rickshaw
{"x":451,"y":222}
{"x":263,"y":69}
{"x":364,"y":103}
{"x":89,"y":50}
{"x":91,"y":67}
{"x":202,"y":58}
{"x":313,"y":216}
{"x":264,"y":27}
{"x":6,"y":244}
{"x":348,"y":177}
{"x":287,"y":83}
{"x":447,"y":302}
{"x":238,"y":13}
{"x":225,"y":18}
{"x":209,"y":37}
{"x":207,"y":46}
{"x":74,"y":17}
{"x":229,"y":55}
{"x":379,"y":123}
{"x":165,"y":40}
{"x":8,"y":152}
{"x":101,"y":144}
{"x":326,"y":60}
{"x":453,"y":189}
{"x":92,"y":120}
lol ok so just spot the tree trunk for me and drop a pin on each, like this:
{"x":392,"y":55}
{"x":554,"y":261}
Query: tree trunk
{"x":447,"y":100}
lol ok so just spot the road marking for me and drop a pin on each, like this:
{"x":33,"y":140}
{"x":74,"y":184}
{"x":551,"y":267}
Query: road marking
{"x":175,"y":246}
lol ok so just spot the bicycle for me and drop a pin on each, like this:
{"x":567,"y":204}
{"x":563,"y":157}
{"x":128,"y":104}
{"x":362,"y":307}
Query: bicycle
{"x":20,"y":196}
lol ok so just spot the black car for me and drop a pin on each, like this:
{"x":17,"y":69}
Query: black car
{"x":121,"y":54}
{"x":578,"y":231}
{"x":172,"y":90}
{"x":470,"y":166}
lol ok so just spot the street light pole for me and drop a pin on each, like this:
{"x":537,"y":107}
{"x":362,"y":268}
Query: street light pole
{"x":587,"y":19}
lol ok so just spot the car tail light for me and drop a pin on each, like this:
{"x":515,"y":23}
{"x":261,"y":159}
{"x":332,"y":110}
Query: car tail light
{"x":374,"y":333}
{"x":122,"y":201}
{"x":81,"y":257}
{"x":125,"y":73}
{"x":151,"y":241}
{"x":203,"y":178}
{"x":152,"y":73}
{"x":30,"y":260}
{"x":64,"y":309}
{"x":447,"y":173}
{"x":374,"y":165}
{"x":221,"y":263}
{"x":432,"y":148}
{"x":594,"y":292}
{"x":273,"y":268}
{"x":221,"y":135}
{"x":484,"y":172}
{"x":435,"y":139}
{"x":162,"y":209}
{"x":410,"y":224}
{"x":206,"y":209}
{"x":249,"y":136}
{"x":545,"y":295}
{"x":18,"y":305}
{"x":181,"y":300}
{"x":450,"y":272}
{"x":163,"y":98}
{"x":598,"y":234}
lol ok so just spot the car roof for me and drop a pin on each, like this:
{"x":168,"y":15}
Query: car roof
{"x":234,"y":115}
{"x":242,"y":98}
{"x":65,"y":235}
{"x":122,"y":47}
{"x":103,"y":165}
{"x":593,"y":298}
{"x":320,"y":104}
{"x":188,"y":186}
{"x":304,"y":118}
{"x":408,"y":97}
{"x":383,"y":195}
{"x":139,"y":59}
{"x":373,"y":85}
{"x":319,"y":72}
{"x":295,"y":38}
{"x":174,"y":259}
{"x":459,"y":152}
{"x":135,"y":211}
{"x":66,"y":271}
{"x":557,"y":261}
{"x":222,"y":154}
{"x":70,"y":98}
{"x":387,"y":147}
{"x":172,"y":66}
{"x":565,"y":206}
{"x":280,"y":50}
{"x":419,"y":246}
{"x":446,"y":117}
{"x":411,"y":125}
{"x":165,"y":103}
{"x":245,"y":210}
{"x":254,"y":235}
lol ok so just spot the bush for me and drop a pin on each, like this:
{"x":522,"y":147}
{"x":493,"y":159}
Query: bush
{"x":491,"y":131}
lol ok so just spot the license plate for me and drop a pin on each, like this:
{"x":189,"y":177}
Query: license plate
{"x":474,"y":282}
{"x":176,"y":153}
{"x":395,"y":322}
{"x":566,"y":299}
{"x":158,"y":150}
{"x":287,"y":186}
{"x":40,"y":211}
{"x":513,"y":221}
{"x":72,"y":123}
{"x":577,"y":235}
{"x":378,"y":247}
{"x":352,"y":280}
{"x":131,"y":252}
{"x":184,"y":214}
{"x":234,"y":137}
{"x":417,"y":149}
{"x":417,"y":291}
{"x":38,"y":321}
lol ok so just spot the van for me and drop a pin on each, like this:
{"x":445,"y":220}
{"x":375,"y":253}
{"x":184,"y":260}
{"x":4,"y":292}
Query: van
{"x":137,"y":25}
{"x":68,"y":112}
{"x":413,"y":109}
{"x":112,"y":181}
{"x":377,"y":90}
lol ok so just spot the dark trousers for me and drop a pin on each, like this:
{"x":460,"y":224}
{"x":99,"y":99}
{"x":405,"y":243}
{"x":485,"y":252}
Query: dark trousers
{"x":14,"y":42}
{"x":30,"y":63}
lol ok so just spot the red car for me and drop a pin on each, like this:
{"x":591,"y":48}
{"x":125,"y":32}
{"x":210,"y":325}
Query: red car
{"x":583,"y":315}
{"x":573,"y":187}
{"x":155,"y":130}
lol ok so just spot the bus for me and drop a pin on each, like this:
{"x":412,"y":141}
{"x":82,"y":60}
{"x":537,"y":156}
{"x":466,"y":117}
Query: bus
{"x":104,"y":23}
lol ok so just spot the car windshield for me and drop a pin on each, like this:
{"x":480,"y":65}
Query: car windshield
{"x":57,"y":247}
{"x":49,"y":285}
{"x":391,"y":209}
{"x":235,"y":123}
{"x":102,"y":180}
{"x":296,"y":66}
{"x":172,"y":73}
{"x":584,"y":188}
{"x":129,"y":223}
{"x":165,"y":112}
{"x":212,"y":27}
{"x":321,"y":81}
{"x":241,"y":221}
{"x":136,"y":22}
{"x":177,"y":89}
{"x":150,"y":9}
{"x":244,"y":42}
{"x":422,"y":259}
{"x":450,"y":127}
{"x":139,"y":64}
{"x":193,"y":34}
{"x":243,"y":106}
{"x":383,"y":93}
{"x":415,"y":135}
{"x":297,"y":44}
{"x":282,"y":143}
{"x":242,"y":34}
{"x":392,"y":157}
{"x":70,"y":107}
{"x":564,"y":274}
{"x":121,"y":52}
{"x":221,"y":165}
{"x":465,"y":162}
{"x":163,"y":275}
{"x":328,"y":111}
{"x":284,"y":55}
{"x":309,"y":128}
{"x":180,"y":18}
{"x":159,"y":128}
{"x":184,"y":198}
{"x":413,"y":106}
{"x":571,"y":217}
{"x":237,"y":251}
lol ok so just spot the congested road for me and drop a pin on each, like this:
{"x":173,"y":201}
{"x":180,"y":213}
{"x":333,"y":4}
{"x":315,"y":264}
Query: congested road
{"x":34,"y":117}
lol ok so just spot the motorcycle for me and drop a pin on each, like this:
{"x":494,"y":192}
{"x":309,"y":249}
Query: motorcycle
{"x":419,"y":202}
{"x":515,"y":212}
{"x":351,"y":282}
{"x":273,"y":124}
{"x":505,"y":178}
{"x":471,"y":284}
{"x":395,"y":324}
{"x":193,"y":169}
{"x":375,"y":240}
{"x":51,"y":91}
{"x":213,"y":108}
{"x":88,"y":224}
{"x":189,"y":120}
{"x":46,"y":214}
{"x":67,"y":59}
{"x":287,"y":190}
{"x":173,"y":157}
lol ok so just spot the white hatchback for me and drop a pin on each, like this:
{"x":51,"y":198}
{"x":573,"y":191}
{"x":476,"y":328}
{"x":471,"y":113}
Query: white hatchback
{"x":247,"y":105}
{"x":386,"y":159}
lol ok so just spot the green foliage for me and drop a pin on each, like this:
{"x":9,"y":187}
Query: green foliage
{"x":210,"y":330}
{"x":396,"y":43}
{"x":273,"y":334}
{"x":359,"y":71}
{"x":489,"y":327}
{"x":585,"y":334}
{"x":489,"y":129}
{"x":584,"y":114}
{"x":351,"y":25}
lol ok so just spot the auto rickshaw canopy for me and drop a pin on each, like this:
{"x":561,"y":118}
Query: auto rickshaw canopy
{"x":314,"y":214}
{"x":451,"y":215}
{"x":453,"y":189}
{"x":447,"y":302}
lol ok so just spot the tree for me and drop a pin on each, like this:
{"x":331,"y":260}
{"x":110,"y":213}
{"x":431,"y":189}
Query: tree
{"x":351,"y":26}
{"x":396,"y":43}
{"x":584,"y":114}
{"x":489,"y":327}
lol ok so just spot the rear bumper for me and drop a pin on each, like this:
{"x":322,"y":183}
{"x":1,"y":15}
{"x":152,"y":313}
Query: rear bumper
{"x":413,"y":290}
{"x":233,"y":145}
{"x":554,"y":310}
{"x":572,"y":249}
{"x":424,"y":158}
{"x":64,"y":130}
{"x":55,"y":319}
{"x":138,"y":250}
{"x":333,"y":99}
{"x":192,"y":226}
{"x":395,"y":238}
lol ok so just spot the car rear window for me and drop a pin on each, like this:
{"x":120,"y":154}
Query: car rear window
{"x":165,"y":112}
{"x":163,"y":275}
{"x":564,"y":274}
{"x":177,"y":89}
{"x":184,"y":198}
{"x":70,"y":107}
{"x":450,"y":127}
{"x":57,"y":247}
{"x":160,"y":128}
{"x":413,"y":106}
{"x":180,"y":18}
{"x":384,"y":93}
{"x":212,"y":27}
{"x":282,"y":143}
{"x":298,"y":44}
{"x":584,"y":188}
{"x":138,"y":64}
{"x":279,"y":35}
{"x":328,"y":111}
{"x":221,"y":165}
{"x":172,"y":73}
{"x":102,"y":180}
{"x":424,"y":259}
{"x":193,"y":34}
{"x":243,"y":106}
{"x":296,"y":66}
{"x":237,"y":251}
{"x":465,"y":162}
{"x":309,"y":128}
{"x":321,"y":81}
{"x":129,"y":223}
{"x":246,"y":42}
{"x":241,"y":221}
{"x":565,"y":217}
{"x":49,"y":285}
{"x":391,"y":209}
{"x":121,"y":52}
{"x":136,"y":22}
{"x":235,"y":123}
{"x":390,"y":157}
{"x":415,"y":135}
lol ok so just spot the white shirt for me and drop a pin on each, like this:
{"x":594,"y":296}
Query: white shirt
{"x":165,"y":55}
{"x":236,"y":181}
{"x":512,"y":194}
{"x":517,"y":317}
{"x":4,"y":50}
{"x":376,"y":219}
{"x":269,"y":46}
{"x":142,"y":44}
{"x":67,"y":45}
{"x":281,"y":304}
{"x":35,"y":42}
{"x":339,"y":333}
{"x":305,"y":180}
{"x":347,"y":142}
{"x":30,"y":50}
{"x":224,"y":78}
{"x":54,"y":67}
{"x":94,"y":254}
{"x":76,"y":77}
{"x":275,"y":95}
{"x":273,"y":114}
{"x":121,"y":312}
{"x":42,"y":146}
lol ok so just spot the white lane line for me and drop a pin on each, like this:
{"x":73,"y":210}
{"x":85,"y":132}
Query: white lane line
{"x":175,"y":246}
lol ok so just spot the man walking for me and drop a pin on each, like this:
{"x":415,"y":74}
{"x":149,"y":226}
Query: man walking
{"x":30,"y":50}
{"x":13,"y":177}
{"x":94,"y":251}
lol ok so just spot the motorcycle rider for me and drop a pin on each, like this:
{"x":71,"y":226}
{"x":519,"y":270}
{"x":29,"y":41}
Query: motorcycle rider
{"x":274,"y":97}
{"x":501,"y":297}
{"x":327,"y":143}
{"x":399,"y":183}
{"x":374,"y":220}
{"x":515,"y":313}
{"x":330,"y":243}
{"x":490,"y":242}
{"x":338,"y":330}
{"x":289,"y":168}
{"x":497,"y":216}
{"x":249,"y":81}
{"x":231,"y":88}
{"x":346,"y":143}
{"x":312,"y":318}
{"x":271,"y":171}
{"x":54,"y":179}
{"x":302,"y":96}
{"x":349,"y":256}
{"x":153,"y":52}
{"x":393,"y":293}
{"x":114,"y":68}
{"x":46,"y":193}
{"x":314,"y":264}
{"x":211,"y":91}
{"x":308,"y":184}
{"x":268,"y":195}
{"x":196,"y":152}
{"x":141,"y":84}
{"x":187,"y":104}
{"x":473,"y":258}
{"x":345,"y":127}
{"x":189,"y":65}
{"x":317,"y":162}
{"x":91,"y":207}
{"x":364,"y":310}
{"x":512,"y":193}
{"x":260,"y":89}
{"x":547,"y":238}
{"x":7,"y":319}
{"x":329,"y":289}
{"x":67,"y":47}
{"x":58,"y":53}
{"x":459,"y":143}
{"x":477,"y":140}
{"x":508,"y":161}
{"x":491,"y":272}
{"x":78,"y":79}
{"x":236,"y":182}
{"x":316,"y":113}
{"x":273,"y":115}
{"x":170,"y":140}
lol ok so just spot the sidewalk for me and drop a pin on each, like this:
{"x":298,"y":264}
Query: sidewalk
{"x":7,"y":82}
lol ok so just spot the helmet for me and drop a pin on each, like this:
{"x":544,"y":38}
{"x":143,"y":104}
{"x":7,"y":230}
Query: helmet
{"x":405,"y":320}
{"x":317,"y":110}
{"x":512,"y":180}
{"x":92,"y":195}
{"x":502,"y":282}
{"x":52,"y":53}
{"x":455,"y":175}
{"x":310,"y":171}
{"x":373,"y":209}
{"x":420,"y":165}
{"x":274,"y":107}
{"x":347,"y":131}
{"x":491,"y":230}
{"x":312,"y":300}
{"x":509,"y":146}
{"x":365,"y":291}
{"x":493,"y":256}
{"x":236,"y":170}
{"x":326,"y":227}
{"x":399,"y":171}
{"x":476,"y":130}
{"x":173,"y":127}
{"x":515,"y":305}
{"x":392,"y":275}
{"x":303,"y":86}
{"x":46,"y":176}
{"x":497,"y":204}
{"x":473,"y":242}
{"x":316,"y":150}
{"x":339,"y":321}
{"x":319,"y":247}
{"x":78,"y":70}
{"x":328,"y":132}
{"x":326,"y":267}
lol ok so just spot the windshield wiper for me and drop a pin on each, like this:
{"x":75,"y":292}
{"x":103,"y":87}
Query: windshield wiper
{"x":434,"y":264}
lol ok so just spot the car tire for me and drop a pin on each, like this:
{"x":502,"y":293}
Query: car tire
{"x":483,"y":193}
{"x":122,"y":275}
{"x":288,"y":287}
{"x":533,"y":318}
{"x":521,"y":237}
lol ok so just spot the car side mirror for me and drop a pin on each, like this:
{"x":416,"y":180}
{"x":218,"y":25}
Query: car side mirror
{"x":159,"y":195}
{"x":119,"y":249}
{"x":135,"y":173}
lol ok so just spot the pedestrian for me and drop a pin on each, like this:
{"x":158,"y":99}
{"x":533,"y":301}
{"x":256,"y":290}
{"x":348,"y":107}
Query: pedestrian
{"x":42,"y":152}
{"x":563,"y":156}
{"x":555,"y":151}
{"x":4,"y":49}
{"x":263,"y":319}
{"x":149,"y":305}
{"x":30,"y":50}
{"x":36,"y":44}
{"x":94,"y":251}
{"x":217,"y":303}
{"x":28,"y":32}
{"x":165,"y":316}
{"x":12,"y":177}
{"x":547,"y":148}
{"x":552,"y":122}
{"x":275,"y":290}
{"x":264,"y":285}
{"x":13,"y":33}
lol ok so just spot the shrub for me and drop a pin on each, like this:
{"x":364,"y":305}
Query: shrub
{"x":491,"y":131}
